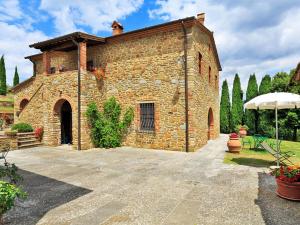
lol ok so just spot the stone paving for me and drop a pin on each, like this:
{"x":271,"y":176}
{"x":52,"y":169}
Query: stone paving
{"x":138,"y":186}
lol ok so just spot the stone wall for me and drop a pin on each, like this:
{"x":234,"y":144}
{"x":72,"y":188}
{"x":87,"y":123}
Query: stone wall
{"x":40,"y":111}
{"x":203,"y":94}
{"x":148,"y":69}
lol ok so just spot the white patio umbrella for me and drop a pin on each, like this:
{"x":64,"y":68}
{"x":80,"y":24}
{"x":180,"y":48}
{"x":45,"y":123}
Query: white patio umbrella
{"x":275,"y":101}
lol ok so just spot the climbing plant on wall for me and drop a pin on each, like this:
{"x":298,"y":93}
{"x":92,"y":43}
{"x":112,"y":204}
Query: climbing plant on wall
{"x":107,"y":128}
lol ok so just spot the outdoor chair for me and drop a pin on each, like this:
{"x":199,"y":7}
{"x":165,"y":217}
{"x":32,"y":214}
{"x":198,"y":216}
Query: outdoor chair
{"x":246,"y":141}
{"x":4,"y":149}
{"x":283,"y":157}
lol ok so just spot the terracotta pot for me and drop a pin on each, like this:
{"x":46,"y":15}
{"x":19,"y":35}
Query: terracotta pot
{"x":290,"y":191}
{"x":242,"y":132}
{"x":234,"y":145}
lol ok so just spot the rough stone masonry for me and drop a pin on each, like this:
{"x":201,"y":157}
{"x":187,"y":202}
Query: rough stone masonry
{"x":141,"y":66}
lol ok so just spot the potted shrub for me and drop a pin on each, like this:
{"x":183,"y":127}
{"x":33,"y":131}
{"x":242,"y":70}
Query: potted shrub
{"x":234,"y":145}
{"x":22,"y":127}
{"x":288,"y":182}
{"x":10,"y":133}
{"x":242,"y":130}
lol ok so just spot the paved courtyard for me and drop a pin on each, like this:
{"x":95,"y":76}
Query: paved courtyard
{"x":138,"y":186}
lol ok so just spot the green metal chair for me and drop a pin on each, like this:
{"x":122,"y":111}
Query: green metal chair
{"x":246,"y":141}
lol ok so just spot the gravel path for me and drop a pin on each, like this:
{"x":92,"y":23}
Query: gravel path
{"x":137,"y":186}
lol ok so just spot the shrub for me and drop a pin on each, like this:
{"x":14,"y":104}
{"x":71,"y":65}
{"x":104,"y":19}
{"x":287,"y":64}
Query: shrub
{"x":106,"y":128}
{"x":8,"y":194}
{"x":22,"y":127}
{"x":38,"y":132}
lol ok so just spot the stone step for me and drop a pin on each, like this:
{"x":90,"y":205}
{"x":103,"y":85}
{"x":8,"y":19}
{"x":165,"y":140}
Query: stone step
{"x":26,"y":137}
{"x":30,"y":145}
{"x":27,"y":140}
{"x":25,"y":134}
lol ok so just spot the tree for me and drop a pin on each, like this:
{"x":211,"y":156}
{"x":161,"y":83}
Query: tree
{"x":251,"y":115}
{"x":237,"y":109}
{"x":16,"y":77}
{"x":3,"y":87}
{"x":225,"y":109}
{"x":280,"y":82}
{"x":265,"y":117}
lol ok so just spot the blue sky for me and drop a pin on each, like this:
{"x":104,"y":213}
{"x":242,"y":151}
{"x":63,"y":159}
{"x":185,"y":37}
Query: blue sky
{"x":252,"y":36}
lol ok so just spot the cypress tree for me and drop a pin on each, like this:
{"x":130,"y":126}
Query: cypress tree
{"x":225,"y":109}
{"x":16,"y":77}
{"x":237,"y":109}
{"x":251,"y":115}
{"x":3,"y":87}
{"x":265,"y":85}
{"x":265,"y":117}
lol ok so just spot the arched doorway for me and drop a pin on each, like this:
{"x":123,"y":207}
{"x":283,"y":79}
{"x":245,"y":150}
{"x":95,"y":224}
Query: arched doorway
{"x":63,"y":121}
{"x":66,"y":123}
{"x":210,"y":124}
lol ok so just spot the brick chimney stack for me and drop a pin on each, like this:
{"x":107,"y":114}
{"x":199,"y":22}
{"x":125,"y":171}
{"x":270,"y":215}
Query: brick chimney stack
{"x":117,"y":28}
{"x":201,"y":17}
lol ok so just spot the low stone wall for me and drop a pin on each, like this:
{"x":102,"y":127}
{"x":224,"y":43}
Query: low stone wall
{"x":11,"y":140}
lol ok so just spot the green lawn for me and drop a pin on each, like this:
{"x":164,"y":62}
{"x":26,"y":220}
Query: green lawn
{"x":261,"y":158}
{"x":7,"y":98}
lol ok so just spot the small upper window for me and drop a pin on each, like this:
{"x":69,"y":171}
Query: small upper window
{"x":90,"y":65}
{"x":209,"y":74}
{"x":52,"y":70}
{"x":147,"y":117}
{"x":216,"y":81}
{"x":200,"y":62}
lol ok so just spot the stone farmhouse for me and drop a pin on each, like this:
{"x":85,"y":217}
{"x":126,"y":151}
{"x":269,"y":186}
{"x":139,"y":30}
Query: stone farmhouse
{"x":296,"y":76}
{"x":169,"y":73}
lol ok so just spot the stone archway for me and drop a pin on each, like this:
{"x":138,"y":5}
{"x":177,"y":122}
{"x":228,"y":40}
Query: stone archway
{"x":62,"y":122}
{"x":210,"y":124}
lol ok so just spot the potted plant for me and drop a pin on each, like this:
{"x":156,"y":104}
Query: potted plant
{"x":10,"y":133}
{"x":288,"y":182}
{"x":234,"y":145}
{"x":242,"y":130}
{"x":38,"y":132}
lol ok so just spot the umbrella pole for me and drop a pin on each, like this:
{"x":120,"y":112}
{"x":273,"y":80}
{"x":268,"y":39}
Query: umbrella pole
{"x":277,"y":149}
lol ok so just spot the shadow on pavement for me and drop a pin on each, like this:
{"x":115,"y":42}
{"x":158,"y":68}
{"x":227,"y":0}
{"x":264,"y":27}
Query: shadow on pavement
{"x":252,"y":162}
{"x":274,"y":209}
{"x":44,"y":194}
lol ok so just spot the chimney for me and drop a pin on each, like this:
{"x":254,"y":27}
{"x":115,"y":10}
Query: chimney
{"x":117,"y":28}
{"x":201,"y":17}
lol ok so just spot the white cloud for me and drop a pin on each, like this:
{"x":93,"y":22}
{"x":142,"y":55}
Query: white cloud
{"x":96,"y":14}
{"x":10,"y":10}
{"x":14,"y":46}
{"x":252,"y":37}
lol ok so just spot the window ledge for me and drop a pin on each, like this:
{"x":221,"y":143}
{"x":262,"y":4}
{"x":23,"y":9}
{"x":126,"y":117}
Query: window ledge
{"x":146,"y":131}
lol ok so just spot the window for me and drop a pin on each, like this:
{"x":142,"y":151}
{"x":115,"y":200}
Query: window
{"x":147,"y":116}
{"x":52,"y":70}
{"x":199,"y":62}
{"x":216,"y":81}
{"x":90,"y":65}
{"x":209,"y":74}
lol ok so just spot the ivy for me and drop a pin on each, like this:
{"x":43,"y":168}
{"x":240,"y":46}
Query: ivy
{"x":107,"y":129}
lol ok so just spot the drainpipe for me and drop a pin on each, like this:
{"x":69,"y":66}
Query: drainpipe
{"x":186,"y":89}
{"x":78,"y":96}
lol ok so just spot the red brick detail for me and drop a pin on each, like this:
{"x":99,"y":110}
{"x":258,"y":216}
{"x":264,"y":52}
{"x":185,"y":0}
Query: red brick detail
{"x":137,"y":117}
{"x":82,"y":49}
{"x":46,"y":62}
